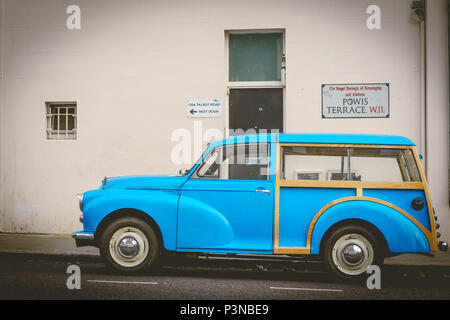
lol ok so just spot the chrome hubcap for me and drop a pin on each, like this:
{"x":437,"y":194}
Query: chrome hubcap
{"x":128,"y":247}
{"x":352,"y":254}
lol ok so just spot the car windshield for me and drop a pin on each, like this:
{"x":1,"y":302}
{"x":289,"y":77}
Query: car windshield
{"x":185,"y":172}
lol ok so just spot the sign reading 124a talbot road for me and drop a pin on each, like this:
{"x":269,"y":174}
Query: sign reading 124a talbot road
{"x":201,"y":108}
{"x":355,"y":100}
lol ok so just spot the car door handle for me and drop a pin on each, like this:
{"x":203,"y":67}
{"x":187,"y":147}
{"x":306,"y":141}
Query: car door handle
{"x":263,"y":190}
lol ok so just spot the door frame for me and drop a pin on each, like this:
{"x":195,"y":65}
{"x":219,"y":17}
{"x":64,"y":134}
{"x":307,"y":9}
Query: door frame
{"x":251,"y":84}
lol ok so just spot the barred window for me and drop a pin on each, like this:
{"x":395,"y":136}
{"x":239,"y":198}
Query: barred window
{"x":61,"y":120}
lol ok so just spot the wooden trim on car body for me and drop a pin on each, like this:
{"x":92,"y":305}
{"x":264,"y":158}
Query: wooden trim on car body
{"x":359,"y":187}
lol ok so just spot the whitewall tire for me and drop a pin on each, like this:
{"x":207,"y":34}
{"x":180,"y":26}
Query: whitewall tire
{"x":350,"y":250}
{"x":129,"y":244}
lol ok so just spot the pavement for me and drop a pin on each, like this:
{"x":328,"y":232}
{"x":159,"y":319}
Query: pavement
{"x":57,"y":245}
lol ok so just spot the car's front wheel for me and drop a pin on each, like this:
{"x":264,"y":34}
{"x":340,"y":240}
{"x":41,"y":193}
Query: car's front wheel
{"x":129,"y":245}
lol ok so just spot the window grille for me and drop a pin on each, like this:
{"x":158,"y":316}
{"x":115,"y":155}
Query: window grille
{"x":61,"y":121}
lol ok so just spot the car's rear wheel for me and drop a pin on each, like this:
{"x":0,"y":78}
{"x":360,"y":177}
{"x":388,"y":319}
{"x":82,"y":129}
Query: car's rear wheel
{"x":129,"y":245}
{"x":350,"y":250}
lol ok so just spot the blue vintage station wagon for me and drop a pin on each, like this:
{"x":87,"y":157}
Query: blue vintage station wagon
{"x":351,"y":200}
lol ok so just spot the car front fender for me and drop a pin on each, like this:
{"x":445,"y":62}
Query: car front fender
{"x":160,"y":205}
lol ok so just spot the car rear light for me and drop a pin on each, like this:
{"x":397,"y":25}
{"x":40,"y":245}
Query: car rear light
{"x":81,"y":218}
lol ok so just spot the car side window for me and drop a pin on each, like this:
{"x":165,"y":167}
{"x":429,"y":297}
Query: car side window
{"x":248,"y":161}
{"x":344,"y":164}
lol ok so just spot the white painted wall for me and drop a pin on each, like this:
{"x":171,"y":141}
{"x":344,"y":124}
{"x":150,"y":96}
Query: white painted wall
{"x":134,"y":64}
{"x":2,"y":82}
{"x":437,"y":105}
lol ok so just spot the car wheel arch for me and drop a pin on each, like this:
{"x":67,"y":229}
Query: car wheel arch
{"x":401,"y":231}
{"x":129,"y":212}
{"x":358,"y":222}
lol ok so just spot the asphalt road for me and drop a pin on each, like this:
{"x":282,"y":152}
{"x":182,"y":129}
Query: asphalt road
{"x":43,"y":277}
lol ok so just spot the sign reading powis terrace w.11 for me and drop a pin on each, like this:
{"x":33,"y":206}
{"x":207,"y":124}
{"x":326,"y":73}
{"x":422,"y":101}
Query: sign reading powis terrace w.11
{"x":355,"y":100}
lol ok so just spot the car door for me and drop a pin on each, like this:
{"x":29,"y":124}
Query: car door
{"x":227,"y":204}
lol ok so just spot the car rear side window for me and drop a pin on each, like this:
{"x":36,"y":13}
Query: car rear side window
{"x":348,"y":164}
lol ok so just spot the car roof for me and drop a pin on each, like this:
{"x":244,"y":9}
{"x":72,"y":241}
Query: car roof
{"x":318,"y":138}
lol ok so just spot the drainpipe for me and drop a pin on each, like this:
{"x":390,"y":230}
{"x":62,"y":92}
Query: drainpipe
{"x":423,"y":95}
{"x":418,"y":14}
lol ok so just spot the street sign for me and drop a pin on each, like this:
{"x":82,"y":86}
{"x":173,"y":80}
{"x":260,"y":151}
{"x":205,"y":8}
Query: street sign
{"x":355,"y":100}
{"x":201,"y":108}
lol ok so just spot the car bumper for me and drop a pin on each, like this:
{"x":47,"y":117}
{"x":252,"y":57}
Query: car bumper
{"x":84,"y":239}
